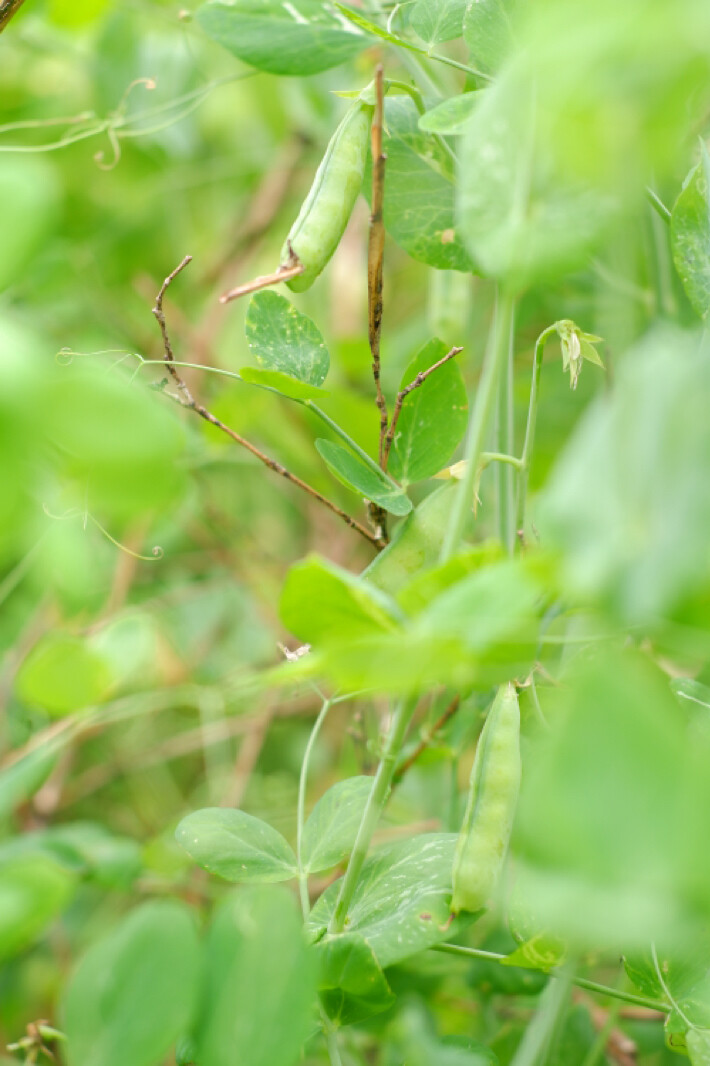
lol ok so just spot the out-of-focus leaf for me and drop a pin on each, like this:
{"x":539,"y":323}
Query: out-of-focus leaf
{"x":521,"y":220}
{"x":134,"y":992}
{"x":63,"y":674}
{"x":628,"y":503}
{"x":119,"y":442}
{"x":433,"y":418}
{"x":29,"y":194}
{"x":34,"y":890}
{"x":284,"y":339}
{"x":690,"y":235}
{"x":261,"y":982}
{"x":613,"y":843}
{"x":451,"y":115}
{"x":329,"y":833}
{"x":236,"y":846}
{"x":298,"y":39}
{"x":21,"y":779}
{"x":416,"y":543}
{"x":321,"y":602}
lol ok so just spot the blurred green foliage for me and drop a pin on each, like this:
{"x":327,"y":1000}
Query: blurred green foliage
{"x":144,"y":555}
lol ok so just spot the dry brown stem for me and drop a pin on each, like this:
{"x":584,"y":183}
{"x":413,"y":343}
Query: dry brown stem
{"x":185,"y":398}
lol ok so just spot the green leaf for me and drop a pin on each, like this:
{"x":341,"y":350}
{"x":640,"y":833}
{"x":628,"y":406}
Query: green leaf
{"x":322,"y":603}
{"x":450,"y":116}
{"x":284,"y":384}
{"x":614,"y":845}
{"x":236,"y":846}
{"x":419,"y":205}
{"x":487,"y":32}
{"x":329,"y":833}
{"x":698,"y":1044}
{"x":488,"y":606}
{"x":261,"y":979}
{"x":299,"y":38}
{"x":20,"y":780}
{"x":437,"y":20}
{"x":416,"y":543}
{"x":433,"y":418}
{"x":133,"y":993}
{"x":284,"y":339}
{"x":690,"y":235}
{"x":29,"y":189}
{"x":34,"y":890}
{"x":351,"y":984}
{"x":521,"y":219}
{"x":544,"y":951}
{"x":376,"y":31}
{"x":115,"y":440}
{"x":628,"y":502}
{"x":108,"y":860}
{"x":422,"y":589}
{"x":64,"y":674}
{"x":367,"y":481}
{"x":401,"y":903}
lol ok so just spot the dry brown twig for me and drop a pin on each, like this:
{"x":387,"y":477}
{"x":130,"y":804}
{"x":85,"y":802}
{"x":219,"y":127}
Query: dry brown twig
{"x":185,"y":398}
{"x":426,"y":739}
{"x":375,"y":253}
{"x":8,"y":8}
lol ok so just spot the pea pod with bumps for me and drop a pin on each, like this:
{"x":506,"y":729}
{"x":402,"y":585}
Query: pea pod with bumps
{"x":326,"y":210}
{"x":493,"y":794}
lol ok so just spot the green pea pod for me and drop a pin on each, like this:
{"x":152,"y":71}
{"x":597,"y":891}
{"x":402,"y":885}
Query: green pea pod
{"x":492,"y":798}
{"x":322,"y":220}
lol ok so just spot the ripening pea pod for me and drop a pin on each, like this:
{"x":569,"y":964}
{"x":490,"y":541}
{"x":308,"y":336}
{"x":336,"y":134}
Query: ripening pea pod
{"x":490,"y":809}
{"x":326,"y":210}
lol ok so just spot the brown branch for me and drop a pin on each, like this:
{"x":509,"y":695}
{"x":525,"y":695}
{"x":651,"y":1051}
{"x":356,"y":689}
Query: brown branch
{"x":375,"y":254}
{"x":402,"y":395}
{"x":185,"y":398}
{"x":426,"y":740}
{"x":8,"y":8}
{"x":282,"y":273}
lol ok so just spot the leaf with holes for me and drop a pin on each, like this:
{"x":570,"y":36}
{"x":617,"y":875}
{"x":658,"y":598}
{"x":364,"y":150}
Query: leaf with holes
{"x":283,"y":339}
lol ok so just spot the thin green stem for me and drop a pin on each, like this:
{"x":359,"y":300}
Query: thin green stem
{"x":501,"y":457}
{"x":375,"y":804}
{"x":538,"y":1037}
{"x":484,"y":404}
{"x":331,"y":1039}
{"x":301,"y":807}
{"x":658,"y":206}
{"x":529,"y":443}
{"x":506,"y":443}
{"x":580,"y":982}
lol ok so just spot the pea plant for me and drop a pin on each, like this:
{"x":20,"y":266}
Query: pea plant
{"x":532,"y":628}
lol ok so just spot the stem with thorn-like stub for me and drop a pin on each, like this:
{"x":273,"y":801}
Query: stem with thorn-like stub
{"x":185,"y":398}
